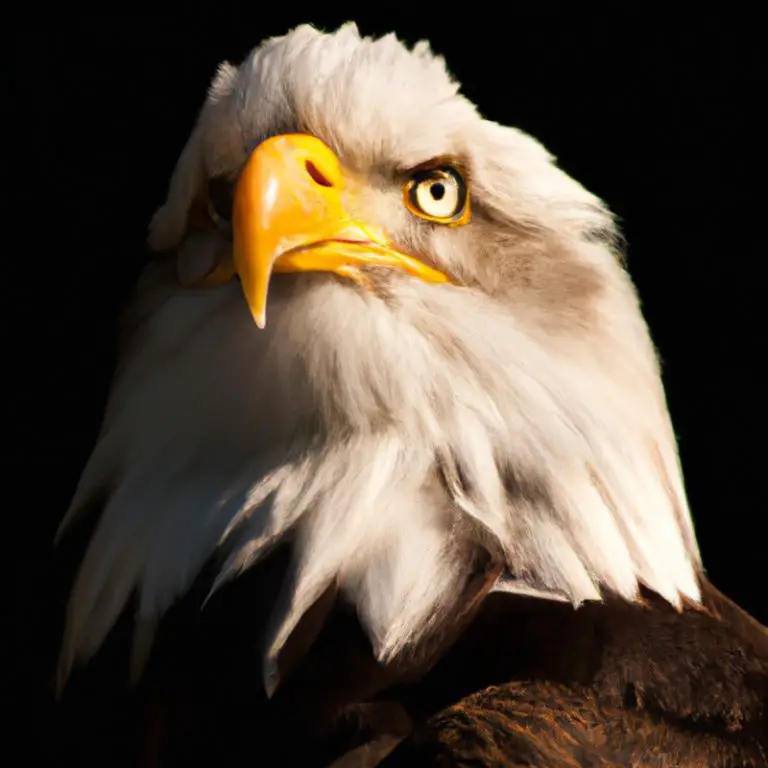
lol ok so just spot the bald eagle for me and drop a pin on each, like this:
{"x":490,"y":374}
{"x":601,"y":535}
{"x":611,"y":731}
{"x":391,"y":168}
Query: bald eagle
{"x":386,"y":475}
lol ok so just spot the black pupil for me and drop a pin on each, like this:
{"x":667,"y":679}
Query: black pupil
{"x":438,"y":190}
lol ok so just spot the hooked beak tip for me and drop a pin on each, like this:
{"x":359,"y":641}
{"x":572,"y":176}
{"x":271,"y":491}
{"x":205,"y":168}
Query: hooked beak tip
{"x":259,"y":313}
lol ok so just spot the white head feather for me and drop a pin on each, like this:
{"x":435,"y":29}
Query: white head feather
{"x":521,"y":411}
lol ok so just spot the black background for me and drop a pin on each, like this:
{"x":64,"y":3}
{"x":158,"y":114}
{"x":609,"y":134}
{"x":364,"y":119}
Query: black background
{"x":657,"y":115}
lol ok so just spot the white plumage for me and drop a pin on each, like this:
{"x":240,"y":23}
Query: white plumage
{"x":388,"y":432}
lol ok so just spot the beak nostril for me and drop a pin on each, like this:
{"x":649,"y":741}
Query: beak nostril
{"x":316,"y":174}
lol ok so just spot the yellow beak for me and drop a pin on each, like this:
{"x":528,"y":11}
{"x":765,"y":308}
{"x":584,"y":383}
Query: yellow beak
{"x":288,"y":216}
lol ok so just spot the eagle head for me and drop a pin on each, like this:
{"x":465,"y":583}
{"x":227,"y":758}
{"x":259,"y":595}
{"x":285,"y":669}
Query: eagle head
{"x":392,"y":333}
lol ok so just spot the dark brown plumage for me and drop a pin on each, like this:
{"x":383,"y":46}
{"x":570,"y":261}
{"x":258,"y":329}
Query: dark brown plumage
{"x":616,"y":685}
{"x":527,"y":683}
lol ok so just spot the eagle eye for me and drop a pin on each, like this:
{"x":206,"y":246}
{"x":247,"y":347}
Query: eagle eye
{"x":438,"y":194}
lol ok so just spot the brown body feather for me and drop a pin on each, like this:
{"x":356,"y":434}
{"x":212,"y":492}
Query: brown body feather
{"x":528,"y":682}
{"x":611,"y":685}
